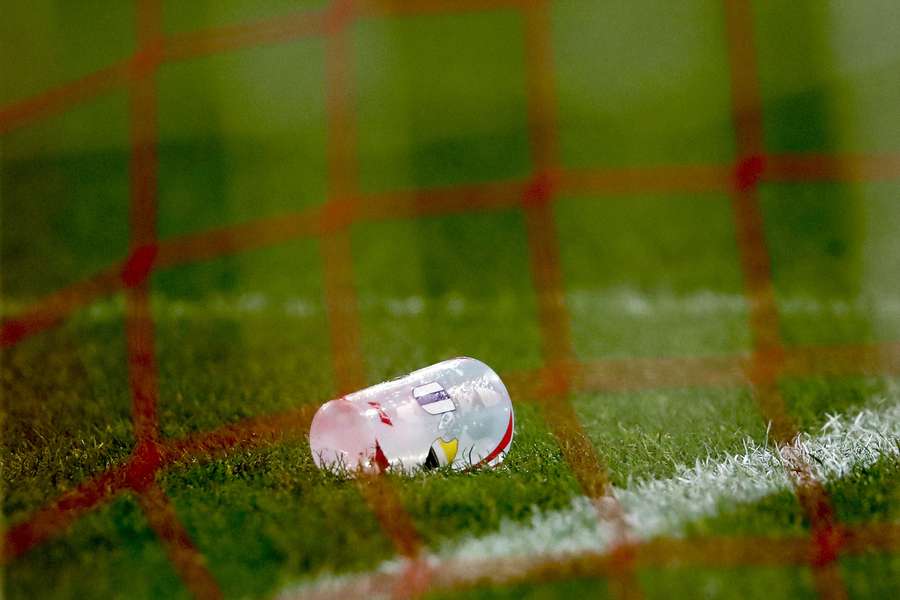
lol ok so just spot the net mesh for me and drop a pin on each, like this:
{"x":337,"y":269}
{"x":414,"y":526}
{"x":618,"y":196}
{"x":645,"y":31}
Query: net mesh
{"x":548,"y":386}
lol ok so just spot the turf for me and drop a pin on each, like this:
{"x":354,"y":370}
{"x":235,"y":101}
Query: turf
{"x":241,"y":336}
{"x":183,"y":17}
{"x":871,"y":576}
{"x":66,"y":411}
{"x":265,"y":518}
{"x":743,"y":582}
{"x":646,"y":435}
{"x":54,"y":44}
{"x":663,"y":99}
{"x":447,"y":507}
{"x":662,"y":275}
{"x":109,"y":554}
{"x":864,"y":495}
{"x":562,"y":589}
{"x":273,"y":517}
{"x":446,"y":286}
{"x":441,"y":100}
{"x":56,"y":178}
{"x":416,"y":96}
{"x":825,"y":69}
{"x":832,"y":246}
{"x":226,"y":160}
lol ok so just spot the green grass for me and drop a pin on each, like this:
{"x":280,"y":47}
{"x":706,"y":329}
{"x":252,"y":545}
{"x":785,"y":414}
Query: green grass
{"x":864,"y":495}
{"x":241,"y":336}
{"x":868,"y":493}
{"x":871,"y":576}
{"x":739,"y":582}
{"x":447,"y":507}
{"x":111,"y":553}
{"x":557,"y":589}
{"x":433,"y":111}
{"x":646,"y":435}
{"x":444,"y":287}
{"x":54,"y":43}
{"x":265,"y":518}
{"x":833,"y":247}
{"x":191,"y":16}
{"x":66,"y":411}
{"x":242,"y":136}
{"x":273,"y":517}
{"x":828,"y":76}
{"x":642,"y":83}
{"x":637,"y":289}
{"x":55,"y":178}
{"x":268,"y":517}
{"x":811,"y":399}
{"x":439,"y":100}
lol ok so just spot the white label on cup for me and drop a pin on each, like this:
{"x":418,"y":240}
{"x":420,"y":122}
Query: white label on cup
{"x":433,"y":398}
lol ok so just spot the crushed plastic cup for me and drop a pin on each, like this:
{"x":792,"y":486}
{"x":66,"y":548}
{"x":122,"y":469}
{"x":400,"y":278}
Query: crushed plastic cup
{"x":456,"y":414}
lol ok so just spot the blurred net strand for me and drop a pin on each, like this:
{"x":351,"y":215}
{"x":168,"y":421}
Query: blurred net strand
{"x":633,"y":375}
{"x":553,"y":316}
{"x":291,"y":425}
{"x":765,"y":369}
{"x":22,"y":113}
{"x":214,"y":40}
{"x":601,"y":376}
{"x":56,"y":307}
{"x":339,"y":289}
{"x":184,"y":556}
{"x":787,"y":168}
{"x":483,"y":197}
{"x":186,"y":559}
{"x":659,"y":553}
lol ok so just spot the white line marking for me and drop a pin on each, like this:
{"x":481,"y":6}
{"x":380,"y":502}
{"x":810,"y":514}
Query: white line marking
{"x":652,"y":508}
{"x":623,"y":300}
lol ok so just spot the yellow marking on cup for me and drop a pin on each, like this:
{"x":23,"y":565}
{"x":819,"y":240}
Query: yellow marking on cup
{"x":450,"y":448}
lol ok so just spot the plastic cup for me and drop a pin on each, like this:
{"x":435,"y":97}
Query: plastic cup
{"x":456,"y":413}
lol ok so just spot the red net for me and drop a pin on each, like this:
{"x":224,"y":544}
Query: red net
{"x":549,"y":386}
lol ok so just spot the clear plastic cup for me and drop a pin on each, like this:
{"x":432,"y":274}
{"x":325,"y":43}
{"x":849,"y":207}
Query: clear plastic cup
{"x":455,"y":413}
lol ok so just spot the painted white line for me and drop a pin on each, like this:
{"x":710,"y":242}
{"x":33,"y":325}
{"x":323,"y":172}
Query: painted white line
{"x":652,"y":508}
{"x":622,"y":300}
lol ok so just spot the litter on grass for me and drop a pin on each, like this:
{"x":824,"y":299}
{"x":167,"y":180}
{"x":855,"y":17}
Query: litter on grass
{"x":456,"y":414}
{"x":653,"y":507}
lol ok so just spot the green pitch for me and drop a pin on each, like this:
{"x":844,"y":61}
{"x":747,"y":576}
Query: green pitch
{"x":441,"y":100}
